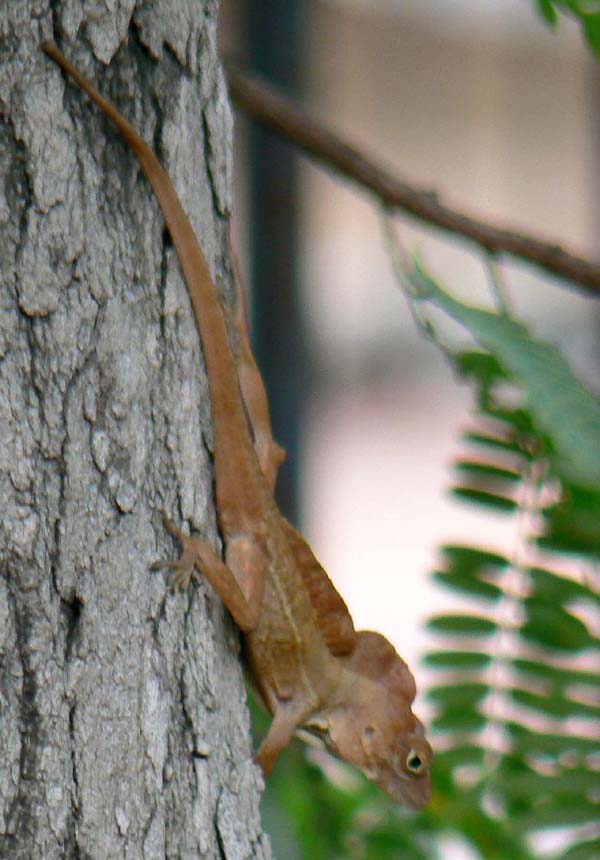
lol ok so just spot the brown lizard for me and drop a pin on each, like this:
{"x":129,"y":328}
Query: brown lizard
{"x":309,"y":666}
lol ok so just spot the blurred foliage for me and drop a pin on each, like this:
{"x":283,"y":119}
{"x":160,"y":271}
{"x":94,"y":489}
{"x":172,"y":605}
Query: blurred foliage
{"x":517,"y":692}
{"x":586,"y":11}
{"x":515,"y":674}
{"x":515,"y":680}
{"x":550,"y":388}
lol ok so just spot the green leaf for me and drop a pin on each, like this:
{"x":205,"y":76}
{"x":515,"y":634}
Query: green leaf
{"x":458,"y":696}
{"x":463,"y":559}
{"x":572,"y":525}
{"x":390,"y":837}
{"x":457,"y":660}
{"x":557,"y":589}
{"x":461,"y":625}
{"x":554,"y":705}
{"x":459,"y":756}
{"x":583,"y":851}
{"x":548,"y":12}
{"x":485,"y":368}
{"x":562,"y":814}
{"x":487,"y":472}
{"x":591,"y":28}
{"x":555,"y":675}
{"x":530,"y":743}
{"x":531,"y":784}
{"x":459,"y":721}
{"x":510,"y":445}
{"x":468,"y":585}
{"x":491,"y":839}
{"x":552,"y":627}
{"x":559,"y":403}
{"x":480,"y":497}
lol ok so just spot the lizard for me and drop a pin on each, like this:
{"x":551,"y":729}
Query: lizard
{"x":311,"y":669}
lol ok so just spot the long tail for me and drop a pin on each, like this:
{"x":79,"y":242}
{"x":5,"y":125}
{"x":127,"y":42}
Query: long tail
{"x":228,"y":411}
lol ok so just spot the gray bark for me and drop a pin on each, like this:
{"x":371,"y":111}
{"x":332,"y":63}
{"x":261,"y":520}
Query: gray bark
{"x":123,"y":725}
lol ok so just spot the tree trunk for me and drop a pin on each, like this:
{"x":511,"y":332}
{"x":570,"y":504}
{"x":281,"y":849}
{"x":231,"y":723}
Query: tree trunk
{"x":123,"y":726}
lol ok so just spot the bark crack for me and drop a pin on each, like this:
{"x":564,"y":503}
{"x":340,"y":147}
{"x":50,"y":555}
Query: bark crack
{"x":22,"y":821}
{"x":218,"y":834}
{"x":206,"y":146}
{"x":23,"y":180}
{"x":72,"y":839}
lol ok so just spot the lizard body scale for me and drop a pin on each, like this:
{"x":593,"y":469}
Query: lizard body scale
{"x":312,"y":670}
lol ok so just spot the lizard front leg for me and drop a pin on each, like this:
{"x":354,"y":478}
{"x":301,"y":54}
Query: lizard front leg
{"x":239,"y":583}
{"x":286,"y":720}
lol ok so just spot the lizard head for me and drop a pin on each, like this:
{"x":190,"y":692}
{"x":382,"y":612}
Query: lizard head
{"x":398,"y":762}
{"x":371,"y":724}
{"x":392,"y":755}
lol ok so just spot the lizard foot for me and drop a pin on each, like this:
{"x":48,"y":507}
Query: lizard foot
{"x":183,"y":569}
{"x":198,"y":557}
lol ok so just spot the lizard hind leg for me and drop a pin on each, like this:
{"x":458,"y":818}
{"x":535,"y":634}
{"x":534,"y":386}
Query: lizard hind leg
{"x":270,"y":455}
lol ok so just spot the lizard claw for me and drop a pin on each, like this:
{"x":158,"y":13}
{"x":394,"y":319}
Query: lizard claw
{"x":172,"y":528}
{"x":181,"y":573}
{"x":182,"y":570}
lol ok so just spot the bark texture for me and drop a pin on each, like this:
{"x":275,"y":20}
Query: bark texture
{"x":123,"y":726}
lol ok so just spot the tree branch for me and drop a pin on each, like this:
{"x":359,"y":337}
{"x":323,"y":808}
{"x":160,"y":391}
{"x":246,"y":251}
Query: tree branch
{"x":269,"y":107}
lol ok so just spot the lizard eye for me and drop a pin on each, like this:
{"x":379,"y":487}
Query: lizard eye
{"x":414,"y":762}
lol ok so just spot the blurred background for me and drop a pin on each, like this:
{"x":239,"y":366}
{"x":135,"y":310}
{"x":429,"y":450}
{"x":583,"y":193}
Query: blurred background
{"x":482,"y":103}
{"x":479,"y":101}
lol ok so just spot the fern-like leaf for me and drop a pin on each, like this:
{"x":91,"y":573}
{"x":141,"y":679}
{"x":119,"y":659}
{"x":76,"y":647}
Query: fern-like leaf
{"x":517,"y":694}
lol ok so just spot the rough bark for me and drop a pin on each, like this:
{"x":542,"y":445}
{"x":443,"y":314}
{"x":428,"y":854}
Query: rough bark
{"x":123,"y":726}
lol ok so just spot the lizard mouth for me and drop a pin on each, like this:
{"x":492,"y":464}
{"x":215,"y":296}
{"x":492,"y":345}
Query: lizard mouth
{"x":317,"y":736}
{"x":413,"y":792}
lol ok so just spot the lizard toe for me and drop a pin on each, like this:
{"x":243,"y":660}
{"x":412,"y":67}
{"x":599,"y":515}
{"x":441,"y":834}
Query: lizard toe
{"x":181,"y":574}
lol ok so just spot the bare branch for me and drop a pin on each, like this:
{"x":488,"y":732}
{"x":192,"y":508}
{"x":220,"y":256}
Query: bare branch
{"x":269,"y":107}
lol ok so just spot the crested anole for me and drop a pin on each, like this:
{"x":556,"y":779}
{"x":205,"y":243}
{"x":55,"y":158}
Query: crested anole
{"x":312,"y":670}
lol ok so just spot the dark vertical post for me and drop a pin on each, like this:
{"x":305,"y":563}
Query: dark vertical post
{"x":594,"y":100}
{"x":275,"y":33}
